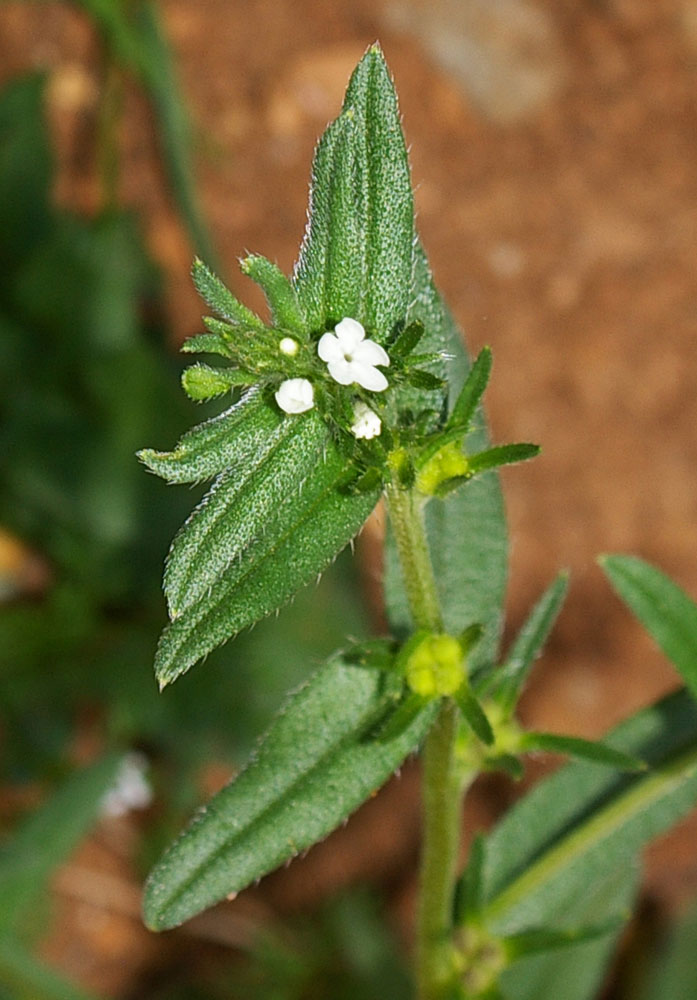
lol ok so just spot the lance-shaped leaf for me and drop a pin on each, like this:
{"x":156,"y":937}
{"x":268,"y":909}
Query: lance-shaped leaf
{"x":317,"y":763}
{"x":356,"y":259}
{"x":506,"y":684}
{"x":502,"y":454}
{"x":543,"y":939}
{"x":469,"y":891}
{"x":222,"y":301}
{"x":299,"y":540}
{"x":579,"y":826}
{"x":226,"y":443}
{"x":203,"y":382}
{"x":662,"y":607}
{"x":280,"y":294}
{"x":248,"y":510}
{"x":472,"y":391}
{"x":466,"y":532}
{"x":580,"y":749}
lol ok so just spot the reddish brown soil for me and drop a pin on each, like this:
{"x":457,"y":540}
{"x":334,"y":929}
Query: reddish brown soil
{"x":567,"y":241}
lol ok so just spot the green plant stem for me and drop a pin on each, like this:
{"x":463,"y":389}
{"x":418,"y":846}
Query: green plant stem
{"x":443,"y":780}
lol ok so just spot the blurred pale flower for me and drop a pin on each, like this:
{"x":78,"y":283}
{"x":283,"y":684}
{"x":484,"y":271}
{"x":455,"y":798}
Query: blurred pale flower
{"x":130,"y":789}
{"x":351,"y":358}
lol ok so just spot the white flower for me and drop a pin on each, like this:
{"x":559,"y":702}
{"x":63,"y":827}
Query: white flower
{"x":366,"y":423}
{"x":288,"y":346}
{"x":295,"y":395}
{"x":351,"y":358}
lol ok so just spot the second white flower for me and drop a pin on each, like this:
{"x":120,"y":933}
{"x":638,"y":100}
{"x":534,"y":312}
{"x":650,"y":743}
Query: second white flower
{"x":351,"y":359}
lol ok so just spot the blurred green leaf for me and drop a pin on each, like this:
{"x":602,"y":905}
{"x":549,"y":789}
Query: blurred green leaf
{"x":575,"y":828}
{"x":662,"y":607}
{"x":317,"y":763}
{"x":506,"y":684}
{"x":29,"y":979}
{"x":48,"y":836}
{"x":580,"y":749}
{"x":675,"y":973}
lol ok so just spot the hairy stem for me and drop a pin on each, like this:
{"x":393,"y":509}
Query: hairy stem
{"x":443,"y":781}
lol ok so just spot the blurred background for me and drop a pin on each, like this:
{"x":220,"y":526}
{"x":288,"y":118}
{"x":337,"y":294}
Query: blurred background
{"x":554,"y":155}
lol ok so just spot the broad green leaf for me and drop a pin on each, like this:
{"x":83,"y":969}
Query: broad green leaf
{"x":662,"y":607}
{"x":280,"y":294}
{"x":317,"y":763}
{"x":580,"y":749}
{"x":577,"y":971}
{"x":48,"y":836}
{"x":30,"y":979}
{"x":467,"y":531}
{"x":578,"y":826}
{"x":247,"y":511}
{"x":506,"y":684}
{"x":226,"y":443}
{"x":356,"y":259}
{"x":299,"y":540}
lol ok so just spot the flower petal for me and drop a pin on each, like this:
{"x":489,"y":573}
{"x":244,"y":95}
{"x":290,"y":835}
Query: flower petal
{"x":295,"y":395}
{"x":369,"y":377}
{"x":342,"y":371}
{"x":371,"y":353}
{"x":329,"y":348}
{"x":350,"y":333}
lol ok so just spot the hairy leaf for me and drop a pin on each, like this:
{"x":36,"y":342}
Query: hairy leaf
{"x":222,"y":301}
{"x":356,"y":259}
{"x":280,"y":294}
{"x":318,"y":762}
{"x":302,"y":537}
{"x":226,"y":443}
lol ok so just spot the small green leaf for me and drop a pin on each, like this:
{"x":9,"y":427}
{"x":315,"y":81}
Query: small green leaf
{"x":506,"y":684}
{"x":221,"y":301}
{"x":280,"y":294}
{"x":580,"y":749}
{"x":504,"y":454}
{"x":508,"y":763}
{"x":356,"y":259}
{"x":474,"y":715}
{"x":407,"y":340}
{"x":203,"y":382}
{"x":424,"y":380}
{"x":317,"y":763}
{"x":207,"y":343}
{"x":472,"y":391}
{"x":662,"y":607}
{"x":538,"y":940}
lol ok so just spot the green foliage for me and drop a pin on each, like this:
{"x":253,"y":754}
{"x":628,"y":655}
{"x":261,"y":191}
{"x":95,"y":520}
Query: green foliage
{"x":356,"y":259}
{"x":29,"y":979}
{"x":317,"y":763}
{"x":662,"y":607}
